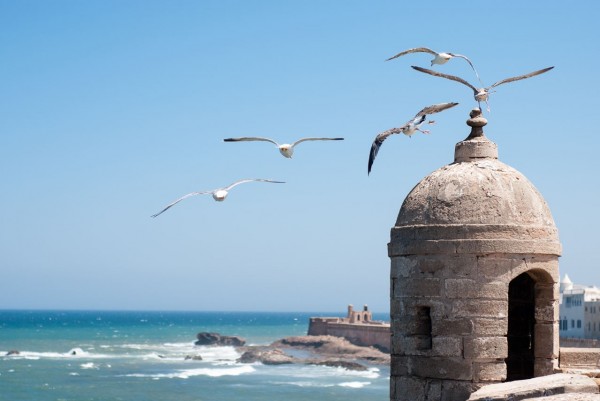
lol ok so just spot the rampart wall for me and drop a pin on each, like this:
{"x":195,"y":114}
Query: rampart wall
{"x":375,"y":334}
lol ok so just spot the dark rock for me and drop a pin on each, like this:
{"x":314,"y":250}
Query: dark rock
{"x":193,"y":357}
{"x":12,"y":352}
{"x":336,"y":363}
{"x":205,"y":338}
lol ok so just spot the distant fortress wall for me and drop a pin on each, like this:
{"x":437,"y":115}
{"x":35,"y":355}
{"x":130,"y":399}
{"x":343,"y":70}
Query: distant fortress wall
{"x":357,"y":327}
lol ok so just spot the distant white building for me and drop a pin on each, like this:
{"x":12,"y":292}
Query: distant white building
{"x":579,"y":310}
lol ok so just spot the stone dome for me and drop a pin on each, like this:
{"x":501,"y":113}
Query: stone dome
{"x":477,"y":197}
{"x":482,"y":191}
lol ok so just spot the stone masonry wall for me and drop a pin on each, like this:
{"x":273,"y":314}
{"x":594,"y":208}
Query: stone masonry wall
{"x":466,"y":297}
{"x":360,"y":334}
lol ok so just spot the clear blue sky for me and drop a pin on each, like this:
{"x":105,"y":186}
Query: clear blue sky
{"x":109,"y":110}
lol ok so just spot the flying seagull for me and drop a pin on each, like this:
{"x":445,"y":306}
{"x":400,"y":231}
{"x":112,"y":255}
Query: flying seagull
{"x":482,"y":94}
{"x":440,"y":58}
{"x":218,"y":194}
{"x":286,"y":149}
{"x":407,"y":129}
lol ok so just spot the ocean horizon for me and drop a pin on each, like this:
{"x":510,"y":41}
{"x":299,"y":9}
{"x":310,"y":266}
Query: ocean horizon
{"x":141,"y":355}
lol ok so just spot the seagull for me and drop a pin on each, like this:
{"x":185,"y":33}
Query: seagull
{"x":440,"y":58}
{"x":407,"y":129}
{"x":286,"y":149}
{"x":482,"y":94}
{"x":218,"y":194}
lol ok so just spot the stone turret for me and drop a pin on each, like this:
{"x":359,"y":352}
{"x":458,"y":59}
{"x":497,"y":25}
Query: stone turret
{"x":474,"y":278}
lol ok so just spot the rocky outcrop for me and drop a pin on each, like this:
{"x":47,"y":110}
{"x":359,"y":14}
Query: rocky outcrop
{"x":330,"y":346}
{"x":12,"y":352}
{"x":267,"y":357}
{"x":205,"y":338}
{"x":193,"y":357}
{"x":314,"y":350}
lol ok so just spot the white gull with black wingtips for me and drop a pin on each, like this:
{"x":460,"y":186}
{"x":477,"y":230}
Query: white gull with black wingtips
{"x":407,"y":129}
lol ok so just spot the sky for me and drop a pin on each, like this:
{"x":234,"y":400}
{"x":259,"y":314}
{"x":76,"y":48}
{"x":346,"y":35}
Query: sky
{"x":111,"y":109}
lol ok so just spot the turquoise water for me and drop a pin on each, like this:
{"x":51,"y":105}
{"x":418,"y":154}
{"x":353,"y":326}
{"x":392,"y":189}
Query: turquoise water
{"x":69,"y":355}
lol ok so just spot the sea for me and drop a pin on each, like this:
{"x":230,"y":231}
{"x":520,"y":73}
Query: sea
{"x":132,"y":355}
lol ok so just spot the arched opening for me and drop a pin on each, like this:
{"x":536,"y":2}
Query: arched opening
{"x":521,"y":328}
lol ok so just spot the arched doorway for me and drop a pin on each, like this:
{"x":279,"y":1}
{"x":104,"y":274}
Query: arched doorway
{"x":521,"y":324}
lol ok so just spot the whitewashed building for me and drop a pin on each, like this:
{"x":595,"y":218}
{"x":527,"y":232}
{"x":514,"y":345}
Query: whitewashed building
{"x":579,"y":310}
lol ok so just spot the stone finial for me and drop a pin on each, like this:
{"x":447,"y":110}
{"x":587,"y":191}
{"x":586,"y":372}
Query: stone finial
{"x":476,"y":122}
{"x":476,"y":146}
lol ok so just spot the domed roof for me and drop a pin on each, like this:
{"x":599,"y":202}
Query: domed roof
{"x":481,"y":191}
{"x":476,"y":204}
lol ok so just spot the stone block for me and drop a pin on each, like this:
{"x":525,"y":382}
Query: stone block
{"x":405,"y":325}
{"x":402,"y":267}
{"x":415,"y":389}
{"x":419,"y":287}
{"x":468,"y":288}
{"x":400,"y":365}
{"x":477,"y":348}
{"x":546,"y":340}
{"x":546,"y":292}
{"x":447,"y":346}
{"x":490,"y":326}
{"x":546,"y":311}
{"x":544,"y":367}
{"x":413,"y":345}
{"x":458,"y":390}
{"x":441,"y":368}
{"x":496,"y":267}
{"x":583,"y":358}
{"x":479,"y":308}
{"x":452,"y":327}
{"x":489,"y":371}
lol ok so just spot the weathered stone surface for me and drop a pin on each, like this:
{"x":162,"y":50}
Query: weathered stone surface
{"x":441,"y":368}
{"x":489,"y":371}
{"x":580,"y":358}
{"x":457,"y":390}
{"x":488,"y":327}
{"x":537,"y":387}
{"x":486,"y":348}
{"x":468,"y":288}
{"x":545,"y":366}
{"x":566,"y":397}
{"x":479,"y":308}
{"x":546,"y":340}
{"x":453,"y":327}
{"x":205,"y":338}
{"x":422,"y":287}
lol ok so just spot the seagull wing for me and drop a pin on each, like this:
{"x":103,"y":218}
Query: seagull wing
{"x":518,"y":78}
{"x":227,"y":188}
{"x":249,"y":139}
{"x":415,"y":50}
{"x":468,"y":61}
{"x":316,"y":139}
{"x":436,"y":108}
{"x":377,"y":144}
{"x":180,"y":199}
{"x":447,"y":76}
